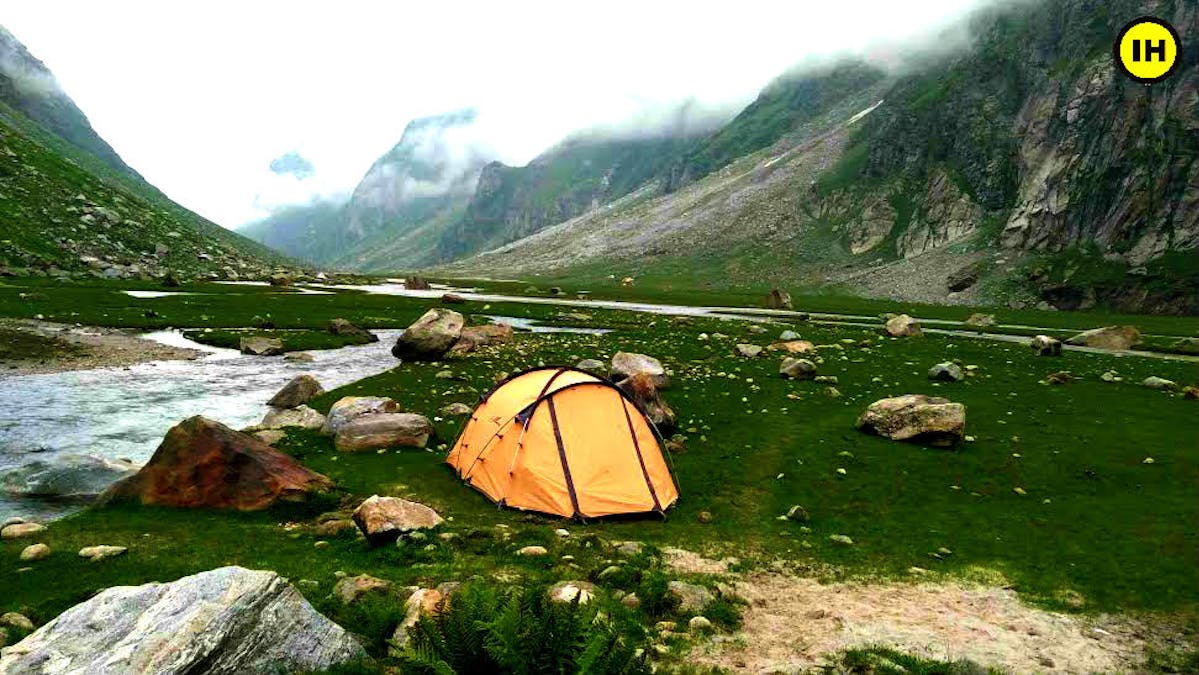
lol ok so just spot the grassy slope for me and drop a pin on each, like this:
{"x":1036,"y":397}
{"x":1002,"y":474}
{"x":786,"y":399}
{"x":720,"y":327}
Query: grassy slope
{"x":1114,"y":530}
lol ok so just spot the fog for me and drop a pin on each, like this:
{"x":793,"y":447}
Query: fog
{"x":235,"y":109}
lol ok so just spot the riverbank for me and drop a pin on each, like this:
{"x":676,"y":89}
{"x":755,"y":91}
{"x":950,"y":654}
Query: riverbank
{"x":30,"y":346}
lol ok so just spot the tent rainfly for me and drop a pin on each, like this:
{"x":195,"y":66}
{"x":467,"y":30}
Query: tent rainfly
{"x":563,"y":441}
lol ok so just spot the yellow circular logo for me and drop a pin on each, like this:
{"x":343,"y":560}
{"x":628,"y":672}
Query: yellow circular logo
{"x":1147,"y":50}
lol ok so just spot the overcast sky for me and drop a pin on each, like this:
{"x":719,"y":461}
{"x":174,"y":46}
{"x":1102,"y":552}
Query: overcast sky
{"x":202,"y":97}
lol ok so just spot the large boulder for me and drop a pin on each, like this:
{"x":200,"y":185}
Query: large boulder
{"x":916,"y":417}
{"x":384,"y":519}
{"x":903,"y":326}
{"x":473,"y":337}
{"x":430,"y":337}
{"x":345,"y":328}
{"x":225,"y":621}
{"x":1108,"y":337}
{"x":301,"y":389}
{"x":300,"y":416}
{"x":384,"y":430}
{"x":777,"y":299}
{"x":203,"y":463}
{"x":81,"y":477}
{"x":261,"y":346}
{"x":642,"y":390}
{"x":1043,"y":345}
{"x":627,"y":364}
{"x":349,"y":408}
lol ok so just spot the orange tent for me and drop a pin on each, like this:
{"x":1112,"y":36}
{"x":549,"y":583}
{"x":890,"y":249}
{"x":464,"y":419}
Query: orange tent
{"x":563,"y":441}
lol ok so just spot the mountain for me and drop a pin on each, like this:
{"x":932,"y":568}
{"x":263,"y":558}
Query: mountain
{"x":1020,"y":168}
{"x":71,"y":207}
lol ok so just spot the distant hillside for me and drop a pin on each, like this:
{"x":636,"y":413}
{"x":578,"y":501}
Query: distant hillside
{"x":1021,"y":169}
{"x":71,"y":207}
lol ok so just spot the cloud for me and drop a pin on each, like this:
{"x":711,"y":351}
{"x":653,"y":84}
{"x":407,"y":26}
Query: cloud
{"x":292,"y":164}
{"x":204,"y":124}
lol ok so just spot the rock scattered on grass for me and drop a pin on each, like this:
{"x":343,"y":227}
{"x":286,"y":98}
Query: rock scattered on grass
{"x":581,"y":592}
{"x":947,"y":371}
{"x":101,"y":552}
{"x":384,"y":519}
{"x":797,"y":369}
{"x":1043,"y":345}
{"x":18,"y":530}
{"x":1108,"y":337}
{"x":690,"y":597}
{"x":533,"y":551}
{"x":841,"y":539}
{"x":903,"y":326}
{"x":1159,"y":383}
{"x":300,"y":390}
{"x":350,"y":589}
{"x":34,"y":552}
{"x":261,"y":346}
{"x":915,"y":417}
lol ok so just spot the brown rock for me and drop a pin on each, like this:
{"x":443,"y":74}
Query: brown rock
{"x":416,"y":284}
{"x":332,"y":528}
{"x":350,"y":589}
{"x":903,"y":326}
{"x":452,"y":299}
{"x":430,"y":337}
{"x":1108,"y":337}
{"x":384,"y":430}
{"x":642,"y":390}
{"x":797,"y":369}
{"x":422,"y":602}
{"x":343,"y":327}
{"x":980,"y":320}
{"x":302,"y":389}
{"x":793,"y":346}
{"x":384,"y":519}
{"x":915,"y":417}
{"x":473,"y":337}
{"x":270,"y":436}
{"x":203,"y":463}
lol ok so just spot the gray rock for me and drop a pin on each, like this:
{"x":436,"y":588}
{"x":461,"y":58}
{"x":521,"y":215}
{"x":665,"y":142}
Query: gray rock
{"x":81,"y":477}
{"x":1043,"y":345}
{"x":222,"y":622}
{"x":455,"y":410}
{"x":748,"y":351}
{"x":690,"y":597}
{"x":261,"y":346}
{"x":384,"y":430}
{"x":788,"y":336}
{"x":430,"y":337}
{"x":841,"y":539}
{"x":300,"y":416}
{"x":350,"y":408}
{"x":1159,"y":383}
{"x":903,"y":326}
{"x":385,"y":519}
{"x":101,"y":552}
{"x":302,"y":389}
{"x":797,"y":369}
{"x":350,"y":589}
{"x":565,"y":592}
{"x":592,"y":366}
{"x":915,"y":417}
{"x":1108,"y":337}
{"x":627,"y":364}
{"x":947,"y":371}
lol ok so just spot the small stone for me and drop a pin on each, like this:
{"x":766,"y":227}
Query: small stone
{"x":629,"y":548}
{"x":798,"y":369}
{"x":798,"y":514}
{"x":35,"y":552}
{"x":18,"y":621}
{"x":840,"y":539}
{"x":98,"y":553}
{"x":749,"y":351}
{"x":704,"y":517}
{"x":350,"y":589}
{"x":532,"y":551}
{"x":699,"y":624}
{"x":562,"y":533}
{"x":946,"y":372}
{"x":18,"y":530}
{"x":631,"y":601}
{"x":1159,"y":383}
{"x":455,"y":410}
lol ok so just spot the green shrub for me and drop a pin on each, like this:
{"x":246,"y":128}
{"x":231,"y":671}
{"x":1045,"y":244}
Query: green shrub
{"x":654,"y":593}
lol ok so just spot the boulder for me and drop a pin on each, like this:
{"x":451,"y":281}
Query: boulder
{"x":980,"y":320}
{"x":793,"y":346}
{"x":642,"y":390}
{"x":422,"y":602}
{"x":79,"y":477}
{"x":349,"y":408}
{"x":430,"y":337}
{"x":797,"y":369}
{"x":566,"y":592}
{"x":301,"y":389}
{"x":1159,"y":383}
{"x":261,"y":346}
{"x":349,"y":589}
{"x":300,"y":416}
{"x":18,"y":530}
{"x":34,"y":552}
{"x":1043,"y":345}
{"x":455,"y":410}
{"x":691,"y":598}
{"x":748,"y":351}
{"x":224,"y":621}
{"x":947,"y":371}
{"x":963,"y":278}
{"x":384,"y":519}
{"x":627,"y":364}
{"x":343,"y":327}
{"x":1108,"y":337}
{"x":205,"y":464}
{"x":384,"y":430}
{"x":777,"y":299}
{"x":594,"y":366}
{"x":416,"y":284}
{"x":452,"y":299}
{"x":915,"y":417}
{"x":473,"y":337}
{"x":903,"y":326}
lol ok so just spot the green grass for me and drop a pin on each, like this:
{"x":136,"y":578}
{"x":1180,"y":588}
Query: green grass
{"x":1095,"y":522}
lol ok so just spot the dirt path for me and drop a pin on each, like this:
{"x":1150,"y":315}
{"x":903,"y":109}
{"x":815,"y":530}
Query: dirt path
{"x":30,"y":347}
{"x":792,"y":623}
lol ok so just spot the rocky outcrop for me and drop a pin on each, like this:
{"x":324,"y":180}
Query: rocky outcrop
{"x":382,"y":520}
{"x":627,"y":364}
{"x":302,"y":389}
{"x":205,"y":464}
{"x":1108,"y":337}
{"x":225,"y":621}
{"x":81,"y":477}
{"x":915,"y":417}
{"x":430,"y":337}
{"x":642,"y":390}
{"x":949,"y":215}
{"x":871,"y":227}
{"x":383,"y":430}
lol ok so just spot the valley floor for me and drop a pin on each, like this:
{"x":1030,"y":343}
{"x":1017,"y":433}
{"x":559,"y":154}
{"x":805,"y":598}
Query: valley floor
{"x":1060,"y":537}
